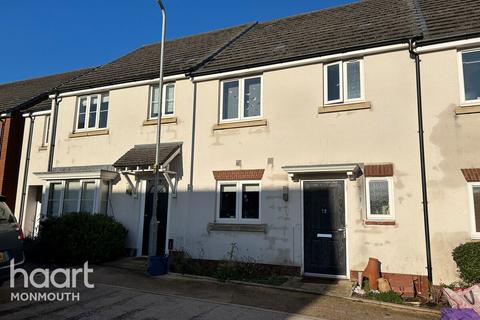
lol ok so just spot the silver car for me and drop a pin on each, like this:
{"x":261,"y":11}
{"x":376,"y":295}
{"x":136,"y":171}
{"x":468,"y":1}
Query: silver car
{"x":11,"y":241}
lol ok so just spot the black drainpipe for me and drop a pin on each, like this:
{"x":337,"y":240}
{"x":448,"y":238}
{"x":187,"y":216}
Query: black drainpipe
{"x":194,"y":123}
{"x":25,"y":171}
{"x":414,"y":55}
{"x":54,"y":132}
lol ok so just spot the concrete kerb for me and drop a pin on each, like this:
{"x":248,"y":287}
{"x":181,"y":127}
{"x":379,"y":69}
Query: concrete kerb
{"x":253,"y":284}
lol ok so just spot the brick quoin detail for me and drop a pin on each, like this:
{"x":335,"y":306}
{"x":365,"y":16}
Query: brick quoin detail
{"x":251,"y":174}
{"x":378,"y":170}
{"x":471,"y":175}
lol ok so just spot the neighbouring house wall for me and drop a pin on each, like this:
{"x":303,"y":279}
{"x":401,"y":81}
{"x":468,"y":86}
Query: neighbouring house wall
{"x":128,"y":109}
{"x":451,"y":143}
{"x":10,"y":152}
{"x":38,"y":163}
{"x":297,"y":135}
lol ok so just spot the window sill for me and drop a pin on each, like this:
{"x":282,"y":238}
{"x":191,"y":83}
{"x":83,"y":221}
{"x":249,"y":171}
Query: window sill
{"x":42,"y":148}
{"x":240,"y":124}
{"x":237,"y":227}
{"x":165,"y":120}
{"x":379,"y":223}
{"x":344,"y":107}
{"x":467,"y":109}
{"x":99,"y":132}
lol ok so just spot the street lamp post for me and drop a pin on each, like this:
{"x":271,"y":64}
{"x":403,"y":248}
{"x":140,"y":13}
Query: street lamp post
{"x":152,"y":244}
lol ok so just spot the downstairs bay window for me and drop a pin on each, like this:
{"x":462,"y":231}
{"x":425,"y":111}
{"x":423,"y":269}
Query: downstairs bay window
{"x":70,"y":196}
{"x":238,"y":201}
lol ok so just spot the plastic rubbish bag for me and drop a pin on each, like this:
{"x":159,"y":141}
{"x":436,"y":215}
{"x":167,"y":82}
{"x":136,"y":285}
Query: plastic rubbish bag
{"x":464,"y":298}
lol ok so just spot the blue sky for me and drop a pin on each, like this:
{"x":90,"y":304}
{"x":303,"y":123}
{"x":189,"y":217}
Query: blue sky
{"x":52,"y":36}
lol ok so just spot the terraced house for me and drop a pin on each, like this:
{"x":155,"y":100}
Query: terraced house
{"x":294,"y":141}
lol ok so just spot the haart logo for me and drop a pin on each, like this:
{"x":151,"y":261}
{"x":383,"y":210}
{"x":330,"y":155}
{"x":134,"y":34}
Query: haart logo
{"x":44,"y":278}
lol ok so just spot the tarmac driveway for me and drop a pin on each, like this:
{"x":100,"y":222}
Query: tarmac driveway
{"x":123,"y":294}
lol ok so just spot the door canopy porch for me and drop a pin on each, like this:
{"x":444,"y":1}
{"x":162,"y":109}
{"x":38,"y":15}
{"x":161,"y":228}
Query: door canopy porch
{"x":140,"y":161}
{"x":351,"y":170}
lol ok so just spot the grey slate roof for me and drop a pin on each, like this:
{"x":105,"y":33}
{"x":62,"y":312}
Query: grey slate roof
{"x":181,"y":56}
{"x":367,"y":23}
{"x":144,"y":155}
{"x":33,"y":92}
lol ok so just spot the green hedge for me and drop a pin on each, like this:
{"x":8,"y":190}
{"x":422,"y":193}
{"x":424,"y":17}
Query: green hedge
{"x":78,"y":237}
{"x":467,"y":257}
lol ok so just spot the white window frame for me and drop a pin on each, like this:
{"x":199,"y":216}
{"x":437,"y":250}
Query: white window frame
{"x":46,"y":131}
{"x":238,"y":208}
{"x":391,"y":199}
{"x":87,"y":111}
{"x":473,"y":228}
{"x":461,"y":81}
{"x":63,"y":183}
{"x":343,"y":80}
{"x":164,"y":101}
{"x":241,"y":105}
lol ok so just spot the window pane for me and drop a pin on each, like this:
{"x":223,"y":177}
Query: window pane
{"x":169,"y":98}
{"x":88,"y":196}
{"x":333,"y":85}
{"x":476,"y":204}
{"x":5,"y":214}
{"x":228,"y":201}
{"x":154,"y":102}
{"x":379,"y":200}
{"x":92,"y":117}
{"x":250,"y":201}
{"x":82,"y":109}
{"x":104,"y":194}
{"x":353,"y":80}
{"x":46,"y":130}
{"x":102,"y":122}
{"x":471,"y":75}
{"x":70,"y":197}
{"x":54,"y":199}
{"x":252,"y":97}
{"x":230,"y":100}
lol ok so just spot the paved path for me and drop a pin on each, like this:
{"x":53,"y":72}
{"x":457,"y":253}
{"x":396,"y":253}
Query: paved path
{"x":121,"y":294}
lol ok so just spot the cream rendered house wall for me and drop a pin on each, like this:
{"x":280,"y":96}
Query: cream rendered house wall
{"x":297,"y":135}
{"x":451,"y":144}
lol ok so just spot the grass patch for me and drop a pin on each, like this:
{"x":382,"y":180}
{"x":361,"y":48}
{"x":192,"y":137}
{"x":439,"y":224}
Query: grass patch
{"x":390,"y":296}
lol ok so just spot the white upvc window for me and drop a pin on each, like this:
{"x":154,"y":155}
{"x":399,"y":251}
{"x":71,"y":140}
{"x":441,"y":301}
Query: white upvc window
{"x":343,"y":82}
{"x":168,"y":101}
{"x":68,"y":196}
{"x":238,"y":201}
{"x":474,"y":197}
{"x":92,"y":112}
{"x":46,"y":131}
{"x":380,"y":200}
{"x":469,"y":76}
{"x":241,"y":99}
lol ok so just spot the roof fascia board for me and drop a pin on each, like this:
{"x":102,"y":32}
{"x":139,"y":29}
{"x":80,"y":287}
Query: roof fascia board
{"x":448,"y":45}
{"x":303,"y":62}
{"x":119,"y":86}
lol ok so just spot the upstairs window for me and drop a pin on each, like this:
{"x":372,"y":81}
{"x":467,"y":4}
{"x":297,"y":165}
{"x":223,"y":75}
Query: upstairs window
{"x":92,"y":112}
{"x":241,"y":99}
{"x":470,"y":76}
{"x":343,"y":82}
{"x":239,"y":201}
{"x":46,"y":131}
{"x":380,"y":198}
{"x":168,"y":103}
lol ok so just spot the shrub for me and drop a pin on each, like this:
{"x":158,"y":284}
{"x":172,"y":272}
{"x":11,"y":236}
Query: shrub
{"x":467,"y":257}
{"x":78,"y":237}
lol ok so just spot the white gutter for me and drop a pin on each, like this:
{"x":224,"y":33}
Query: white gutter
{"x":448,"y":45}
{"x":119,"y":86}
{"x":5,"y":115}
{"x":38,"y":113}
{"x":297,"y":63}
